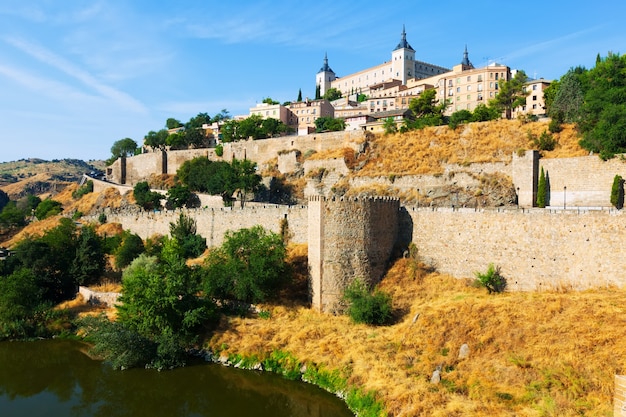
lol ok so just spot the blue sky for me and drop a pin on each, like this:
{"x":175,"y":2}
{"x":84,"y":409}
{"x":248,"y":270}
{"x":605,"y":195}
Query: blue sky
{"x":75,"y":76}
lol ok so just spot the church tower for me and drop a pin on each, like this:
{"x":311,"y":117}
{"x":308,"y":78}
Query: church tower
{"x":324,"y":77}
{"x":466,"y":64}
{"x":403,"y":60}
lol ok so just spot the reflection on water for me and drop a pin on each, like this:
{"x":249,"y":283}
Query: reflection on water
{"x":54,"y":378}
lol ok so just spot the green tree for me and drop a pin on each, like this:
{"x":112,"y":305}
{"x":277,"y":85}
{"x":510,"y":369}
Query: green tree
{"x":184,"y":230}
{"x":299,"y":99}
{"x":603,"y":124}
{"x":459,"y":117}
{"x":48,"y":208}
{"x":249,"y":266}
{"x":332,"y":94}
{"x":156,"y":140}
{"x":21,"y":305}
{"x":483,"y":113}
{"x":427,"y":111}
{"x":390,"y":126}
{"x":222,"y":116}
{"x":492,"y":279}
{"x":512,"y":94}
{"x":269,"y":100}
{"x":541,"y":190}
{"x":197,"y":121}
{"x":318,"y":92}
{"x":246,"y":178}
{"x":172,"y":123}
{"x":12,"y":216}
{"x":161,"y":297}
{"x":329,"y":124}
{"x":145,"y":197}
{"x":4,"y":199}
{"x":617,"y":192}
{"x":123,"y":147}
{"x":178,"y":196}
{"x":131,"y":247}
{"x":195,"y":137}
{"x":89,"y":263}
{"x":568,"y":99}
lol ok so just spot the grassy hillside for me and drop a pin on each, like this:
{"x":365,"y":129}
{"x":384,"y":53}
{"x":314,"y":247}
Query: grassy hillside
{"x":531,"y":354}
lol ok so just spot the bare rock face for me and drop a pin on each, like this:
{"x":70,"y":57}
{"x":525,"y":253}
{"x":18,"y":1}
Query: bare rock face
{"x":464,"y":351}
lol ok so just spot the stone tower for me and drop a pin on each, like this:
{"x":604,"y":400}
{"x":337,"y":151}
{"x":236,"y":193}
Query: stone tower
{"x":325,"y":76}
{"x":403,"y":60}
{"x":349,"y":238}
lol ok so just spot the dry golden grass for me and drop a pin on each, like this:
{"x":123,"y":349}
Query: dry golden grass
{"x":531,"y":354}
{"x":426,"y":151}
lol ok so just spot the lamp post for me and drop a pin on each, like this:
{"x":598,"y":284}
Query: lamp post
{"x":564,"y":197}
{"x":518,"y":198}
{"x":418,"y":198}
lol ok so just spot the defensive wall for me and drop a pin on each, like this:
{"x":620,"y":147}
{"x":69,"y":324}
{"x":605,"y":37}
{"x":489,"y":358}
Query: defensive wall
{"x":138,"y":168}
{"x":347,"y":239}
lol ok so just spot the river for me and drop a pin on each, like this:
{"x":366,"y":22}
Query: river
{"x":56,"y":378}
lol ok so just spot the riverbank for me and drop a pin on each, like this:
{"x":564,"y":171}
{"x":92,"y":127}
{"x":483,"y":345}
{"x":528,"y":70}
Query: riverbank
{"x":548,"y":353}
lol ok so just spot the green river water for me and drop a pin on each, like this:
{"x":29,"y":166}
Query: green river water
{"x":55,"y":378}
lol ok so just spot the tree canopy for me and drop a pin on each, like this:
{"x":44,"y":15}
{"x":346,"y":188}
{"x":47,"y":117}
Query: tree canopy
{"x":512,"y":94}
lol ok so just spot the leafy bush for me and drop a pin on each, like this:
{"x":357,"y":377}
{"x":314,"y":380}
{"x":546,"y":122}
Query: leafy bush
{"x":84,"y":189}
{"x":191,"y":245}
{"x":492,"y":279}
{"x":131,"y":247}
{"x":48,"y":208}
{"x":219,"y":150}
{"x":249,"y":266}
{"x":146,"y":198}
{"x":617,"y":192}
{"x":367,"y":307}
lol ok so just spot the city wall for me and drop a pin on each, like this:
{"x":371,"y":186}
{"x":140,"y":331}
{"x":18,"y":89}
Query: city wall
{"x":536,"y":249}
{"x":139,"y":168}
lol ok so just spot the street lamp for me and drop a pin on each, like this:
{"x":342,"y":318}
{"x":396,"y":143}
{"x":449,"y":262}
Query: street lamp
{"x":518,"y":198}
{"x":418,"y":198}
{"x":564,"y":197}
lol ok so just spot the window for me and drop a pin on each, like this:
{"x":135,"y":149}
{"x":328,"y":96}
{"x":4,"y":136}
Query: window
{"x":534,"y":106}
{"x":534,"y":98}
{"x":469,"y":88}
{"x":480,"y":96}
{"x":449,"y":83}
{"x":480,"y":87}
{"x":491,"y":85}
{"x":496,"y":86}
{"x":469,"y":78}
{"x":480,"y":78}
{"x":496,"y":75}
{"x":534,"y":87}
{"x":469,"y":97}
{"x":458,"y":81}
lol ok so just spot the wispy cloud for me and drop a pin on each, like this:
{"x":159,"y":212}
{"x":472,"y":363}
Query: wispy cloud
{"x":550,"y":44}
{"x":55,"y":61}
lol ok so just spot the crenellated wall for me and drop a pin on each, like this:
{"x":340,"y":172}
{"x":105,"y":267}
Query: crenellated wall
{"x":348,"y":239}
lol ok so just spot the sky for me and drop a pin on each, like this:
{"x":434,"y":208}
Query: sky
{"x":76,"y":76}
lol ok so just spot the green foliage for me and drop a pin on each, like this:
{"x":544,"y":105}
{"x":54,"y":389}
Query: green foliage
{"x":367,"y":307}
{"x":427,"y":111}
{"x":568,"y":100}
{"x":178,"y":196}
{"x":511,"y":94}
{"x":172,"y":123}
{"x":4,"y":199}
{"x":130,"y":248}
{"x":492,"y":279}
{"x":299,"y":99}
{"x":219,"y":150}
{"x":48,"y":208}
{"x":21,"y":305}
{"x":459,"y":117}
{"x":146,"y":198}
{"x":12,"y":216}
{"x":329,"y":124}
{"x":102,"y":218}
{"x":86,"y":188}
{"x":249,"y":266}
{"x":603,"y":121}
{"x":253,"y":127}
{"x":361,"y":98}
{"x":159,"y":298}
{"x":542,"y":190}
{"x":191,"y":245}
{"x":545,"y":142}
{"x":89,"y":262}
{"x":332,"y":94}
{"x":156,"y":140}
{"x":617,"y":192}
{"x":390,"y":126}
{"x":484,"y":113}
{"x":123,"y":147}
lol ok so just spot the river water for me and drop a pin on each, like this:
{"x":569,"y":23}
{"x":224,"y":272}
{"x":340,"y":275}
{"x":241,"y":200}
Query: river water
{"x":55,"y":378}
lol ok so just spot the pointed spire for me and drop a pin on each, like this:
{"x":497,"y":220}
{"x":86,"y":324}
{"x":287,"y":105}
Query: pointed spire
{"x":466,"y":61}
{"x":325,"y":67}
{"x":403,"y":43}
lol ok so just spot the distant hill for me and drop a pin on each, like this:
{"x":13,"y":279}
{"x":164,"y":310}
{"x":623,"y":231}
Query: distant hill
{"x":38,"y":176}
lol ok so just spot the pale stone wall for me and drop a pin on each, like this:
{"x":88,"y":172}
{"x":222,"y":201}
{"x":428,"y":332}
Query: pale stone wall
{"x":95,"y":297}
{"x":536,"y":248}
{"x":350,"y":239}
{"x":212,"y":223}
{"x":620,"y":396}
{"x":588,"y":180}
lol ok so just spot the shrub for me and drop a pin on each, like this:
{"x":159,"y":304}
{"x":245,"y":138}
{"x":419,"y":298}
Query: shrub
{"x":545,"y":142}
{"x":492,"y":279}
{"x":367,"y":307}
{"x":617,"y":192}
{"x":102,"y":218}
{"x":84,"y":189}
{"x":541,"y":190}
{"x":131,"y":247}
{"x":48,"y":208}
{"x":190,"y":244}
{"x":219,"y":150}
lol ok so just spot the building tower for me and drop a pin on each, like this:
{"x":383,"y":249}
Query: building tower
{"x":403,"y":60}
{"x":324,"y":77}
{"x":466,"y":64}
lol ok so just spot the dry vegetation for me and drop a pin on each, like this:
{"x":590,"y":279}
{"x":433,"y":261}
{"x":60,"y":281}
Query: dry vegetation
{"x":426,"y":151}
{"x":531,"y":354}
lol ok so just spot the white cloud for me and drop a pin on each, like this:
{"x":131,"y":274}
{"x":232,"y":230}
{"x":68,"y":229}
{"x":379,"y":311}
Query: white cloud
{"x":55,"y":61}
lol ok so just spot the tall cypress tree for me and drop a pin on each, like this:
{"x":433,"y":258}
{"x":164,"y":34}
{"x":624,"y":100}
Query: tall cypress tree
{"x":299,"y":95}
{"x":541,"y":190}
{"x":617,"y":192}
